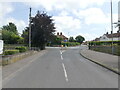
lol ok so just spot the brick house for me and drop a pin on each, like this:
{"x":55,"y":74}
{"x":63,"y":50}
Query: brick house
{"x":60,"y":35}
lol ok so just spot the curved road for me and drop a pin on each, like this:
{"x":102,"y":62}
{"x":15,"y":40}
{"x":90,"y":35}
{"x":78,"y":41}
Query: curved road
{"x":62,"y":69}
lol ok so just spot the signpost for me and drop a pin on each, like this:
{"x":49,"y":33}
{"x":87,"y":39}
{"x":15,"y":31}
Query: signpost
{"x":1,"y":46}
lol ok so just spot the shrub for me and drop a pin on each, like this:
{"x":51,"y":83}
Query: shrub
{"x":21,"y":49}
{"x":104,"y":42}
{"x":70,"y":43}
{"x":10,"y":52}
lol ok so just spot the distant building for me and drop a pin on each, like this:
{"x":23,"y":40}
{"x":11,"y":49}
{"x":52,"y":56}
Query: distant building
{"x":108,"y":37}
{"x":60,"y":35}
{"x":115,"y":36}
{"x":97,"y":39}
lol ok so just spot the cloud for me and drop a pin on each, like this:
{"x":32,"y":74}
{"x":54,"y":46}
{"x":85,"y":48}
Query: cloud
{"x":65,"y":4}
{"x":69,"y":15}
{"x":5,"y":8}
{"x":93,"y":16}
{"x":66,"y":24}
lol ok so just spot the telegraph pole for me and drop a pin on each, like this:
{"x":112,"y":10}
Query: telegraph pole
{"x":30,"y":29}
{"x":112,"y":27}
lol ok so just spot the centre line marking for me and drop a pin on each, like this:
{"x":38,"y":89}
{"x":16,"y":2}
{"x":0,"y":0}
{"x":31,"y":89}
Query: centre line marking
{"x":66,"y":77}
{"x":60,"y":52}
{"x":61,"y":57}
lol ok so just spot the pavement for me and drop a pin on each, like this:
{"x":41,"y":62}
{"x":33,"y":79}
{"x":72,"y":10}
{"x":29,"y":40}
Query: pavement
{"x":106,"y":60}
{"x":58,"y":68}
{"x":14,"y":67}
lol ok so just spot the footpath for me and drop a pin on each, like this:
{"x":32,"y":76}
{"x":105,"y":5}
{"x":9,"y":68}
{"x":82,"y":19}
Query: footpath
{"x":10,"y":69}
{"x":105,"y":60}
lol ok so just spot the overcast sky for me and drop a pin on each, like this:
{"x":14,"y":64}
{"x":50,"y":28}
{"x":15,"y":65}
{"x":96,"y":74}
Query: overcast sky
{"x":89,"y":18}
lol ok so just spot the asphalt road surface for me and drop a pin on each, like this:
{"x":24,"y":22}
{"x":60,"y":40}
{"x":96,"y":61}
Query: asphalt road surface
{"x":62,"y":69}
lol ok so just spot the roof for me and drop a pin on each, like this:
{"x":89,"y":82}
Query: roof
{"x":62,"y":36}
{"x":97,"y":39}
{"x":114,"y":35}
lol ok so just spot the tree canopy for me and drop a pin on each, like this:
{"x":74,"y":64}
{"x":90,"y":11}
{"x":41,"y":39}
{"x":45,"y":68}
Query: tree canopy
{"x":10,"y":37}
{"x":10,"y":34}
{"x":80,"y":39}
{"x":25,"y":35}
{"x":42,"y":29}
{"x":71,"y":39}
{"x":10,"y":27}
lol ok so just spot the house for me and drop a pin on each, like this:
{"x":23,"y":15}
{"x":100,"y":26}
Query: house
{"x":60,"y":35}
{"x":97,"y":39}
{"x":108,"y":37}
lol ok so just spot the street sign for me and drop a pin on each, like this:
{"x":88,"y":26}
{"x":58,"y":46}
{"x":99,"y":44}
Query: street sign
{"x":65,"y":40}
{"x":1,"y":46}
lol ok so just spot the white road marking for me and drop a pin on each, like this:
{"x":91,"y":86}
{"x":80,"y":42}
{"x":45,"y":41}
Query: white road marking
{"x":61,"y":54}
{"x":61,"y":57}
{"x":66,"y":77}
{"x":62,"y":51}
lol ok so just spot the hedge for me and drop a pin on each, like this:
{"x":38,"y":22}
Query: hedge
{"x":10,"y":52}
{"x":21,"y":49}
{"x":70,"y":43}
{"x":103,"y":42}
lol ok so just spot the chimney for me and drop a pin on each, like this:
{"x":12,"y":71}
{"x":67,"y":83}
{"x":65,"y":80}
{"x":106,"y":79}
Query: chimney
{"x":117,"y":31}
{"x":111,"y":32}
{"x":57,"y":33}
{"x":107,"y":33}
{"x":61,"y":33}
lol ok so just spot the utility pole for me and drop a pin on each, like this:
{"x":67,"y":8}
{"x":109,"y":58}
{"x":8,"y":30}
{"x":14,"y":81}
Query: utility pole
{"x":30,"y":29}
{"x":112,"y":27}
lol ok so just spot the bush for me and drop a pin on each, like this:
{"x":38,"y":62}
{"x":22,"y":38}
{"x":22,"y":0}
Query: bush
{"x":10,"y":52}
{"x":104,"y":43}
{"x":21,"y":49}
{"x":70,"y":43}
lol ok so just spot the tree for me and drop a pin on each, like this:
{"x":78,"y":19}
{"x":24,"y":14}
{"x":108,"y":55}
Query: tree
{"x":71,"y":39}
{"x":10,"y":27}
{"x":42,"y":29}
{"x":25,"y":35}
{"x":56,"y":40}
{"x":80,"y":39}
{"x":11,"y":38}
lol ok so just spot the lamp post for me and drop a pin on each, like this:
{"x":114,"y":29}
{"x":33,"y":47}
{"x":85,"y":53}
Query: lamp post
{"x":112,"y":27}
{"x":30,"y":30}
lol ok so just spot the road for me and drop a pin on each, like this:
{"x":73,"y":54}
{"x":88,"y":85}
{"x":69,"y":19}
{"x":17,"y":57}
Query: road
{"x":62,"y":69}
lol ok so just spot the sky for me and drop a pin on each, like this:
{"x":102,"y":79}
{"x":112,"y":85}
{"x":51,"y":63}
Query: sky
{"x":89,"y":18}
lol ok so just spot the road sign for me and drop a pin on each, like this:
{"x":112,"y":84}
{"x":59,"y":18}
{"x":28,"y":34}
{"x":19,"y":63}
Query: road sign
{"x":65,"y":40}
{"x":1,"y":46}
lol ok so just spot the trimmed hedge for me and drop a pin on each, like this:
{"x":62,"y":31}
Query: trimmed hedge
{"x":70,"y":43}
{"x":10,"y":52}
{"x":104,"y":42}
{"x":21,"y":49}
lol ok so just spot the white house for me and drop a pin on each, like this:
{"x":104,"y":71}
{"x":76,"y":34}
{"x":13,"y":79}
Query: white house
{"x":108,"y":37}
